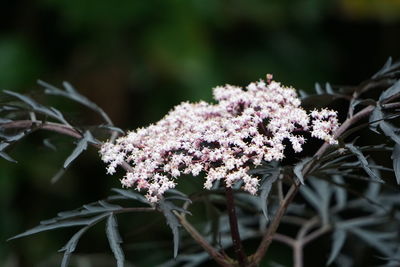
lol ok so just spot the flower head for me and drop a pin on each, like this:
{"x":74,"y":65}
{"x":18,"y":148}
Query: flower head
{"x":222,"y":140}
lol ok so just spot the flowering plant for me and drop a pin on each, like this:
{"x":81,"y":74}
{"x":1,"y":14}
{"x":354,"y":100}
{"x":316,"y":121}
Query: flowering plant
{"x":223,"y":140}
{"x":250,"y":141}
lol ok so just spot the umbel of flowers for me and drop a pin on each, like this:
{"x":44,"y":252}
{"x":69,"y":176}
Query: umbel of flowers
{"x":222,"y":140}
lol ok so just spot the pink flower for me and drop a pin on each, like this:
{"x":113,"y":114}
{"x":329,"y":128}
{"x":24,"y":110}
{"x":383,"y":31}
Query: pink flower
{"x":222,"y":140}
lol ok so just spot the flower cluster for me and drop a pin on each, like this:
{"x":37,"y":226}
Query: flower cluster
{"x":221,"y":140}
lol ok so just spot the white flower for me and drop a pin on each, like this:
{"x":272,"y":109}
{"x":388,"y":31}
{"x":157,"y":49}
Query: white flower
{"x":222,"y":140}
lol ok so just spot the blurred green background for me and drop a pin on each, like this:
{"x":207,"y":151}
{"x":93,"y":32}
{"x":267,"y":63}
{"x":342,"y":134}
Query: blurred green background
{"x":137,"y":59}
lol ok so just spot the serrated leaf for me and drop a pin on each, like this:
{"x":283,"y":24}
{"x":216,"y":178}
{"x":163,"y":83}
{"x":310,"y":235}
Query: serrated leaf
{"x":176,"y":192}
{"x":114,"y":239}
{"x":390,"y":131}
{"x":339,"y":238}
{"x":384,"y":69}
{"x":3,"y":154}
{"x":4,"y":120}
{"x":266,"y":189}
{"x":131,"y":195}
{"x":57,"y":176}
{"x":317,"y":101}
{"x":396,"y":161}
{"x":178,"y":198}
{"x":374,"y":119}
{"x":14,"y":137}
{"x":70,"y":247}
{"x":112,"y":128}
{"x":303,"y":93}
{"x":318,"y":89}
{"x":7,"y":157}
{"x":388,"y":68}
{"x":315,"y":201}
{"x":359,"y":222}
{"x":88,"y":210}
{"x":391,"y":91}
{"x":167,"y":208}
{"x":298,"y":169}
{"x":377,"y":240}
{"x":51,"y":112}
{"x":80,"y":147}
{"x":329,"y":89}
{"x":372,"y":191}
{"x":364,"y":162}
{"x":59,"y":224}
{"x":213,"y":218}
{"x":47,"y":143}
{"x":72,"y":94}
{"x":324,"y":192}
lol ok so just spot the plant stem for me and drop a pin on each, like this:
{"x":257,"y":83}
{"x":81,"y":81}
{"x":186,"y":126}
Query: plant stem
{"x":237,"y":243}
{"x":268,"y":236}
{"x":50,"y":126}
{"x":217,"y":256}
{"x":298,"y":254}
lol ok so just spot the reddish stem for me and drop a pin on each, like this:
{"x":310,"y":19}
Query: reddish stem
{"x":237,"y":243}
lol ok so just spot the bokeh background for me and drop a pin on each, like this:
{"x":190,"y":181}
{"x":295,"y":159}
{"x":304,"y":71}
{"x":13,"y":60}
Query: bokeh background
{"x":137,"y":59}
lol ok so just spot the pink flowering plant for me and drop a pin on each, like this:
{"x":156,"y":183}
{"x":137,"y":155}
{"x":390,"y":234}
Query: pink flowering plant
{"x":223,"y":140}
{"x":249,"y":148}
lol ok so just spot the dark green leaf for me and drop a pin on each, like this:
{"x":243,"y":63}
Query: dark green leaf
{"x":378,"y":240}
{"x":393,"y":90}
{"x":372,"y":191}
{"x":59,"y":224}
{"x":384,"y":69}
{"x":390,"y":131}
{"x":3,"y":154}
{"x":70,"y":247}
{"x":176,"y":192}
{"x":114,"y":239}
{"x":316,"y":201}
{"x":131,"y":195}
{"x":317,"y":101}
{"x":167,"y":209}
{"x":47,"y":143}
{"x":265,"y":190}
{"x":56,"y":177}
{"x":298,"y":169}
{"x":329,"y":89}
{"x":4,"y":120}
{"x":213,"y":217}
{"x":375,"y":117}
{"x":359,"y":222}
{"x":112,"y":128}
{"x":51,"y":112}
{"x":364,"y":162}
{"x":88,"y":210}
{"x":178,"y":198}
{"x":302,"y":93}
{"x":80,"y":147}
{"x":340,"y":192}
{"x":71,"y":93}
{"x":387,"y":69}
{"x":15,"y":137}
{"x":396,"y":161}
{"x":339,"y":237}
{"x":318,"y":89}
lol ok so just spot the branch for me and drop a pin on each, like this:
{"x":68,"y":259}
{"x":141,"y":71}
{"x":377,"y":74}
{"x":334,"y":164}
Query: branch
{"x":218,"y":257}
{"x":284,"y":239}
{"x":298,"y":254}
{"x":50,"y":126}
{"x":317,"y":233}
{"x":237,"y":243}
